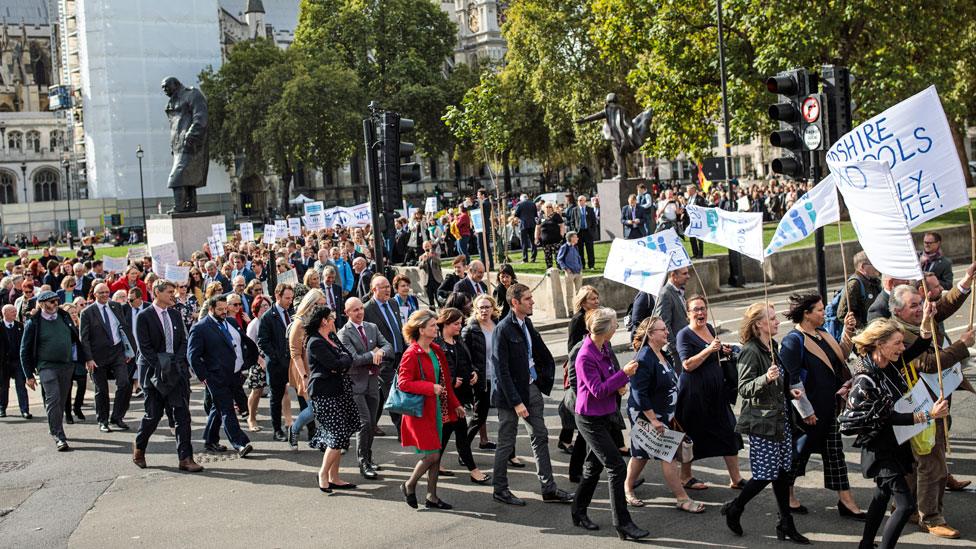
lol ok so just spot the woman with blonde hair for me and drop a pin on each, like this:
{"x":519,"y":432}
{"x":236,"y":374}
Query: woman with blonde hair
{"x":477,"y":336}
{"x":765,"y":416}
{"x":298,"y":369}
{"x":870,"y":415}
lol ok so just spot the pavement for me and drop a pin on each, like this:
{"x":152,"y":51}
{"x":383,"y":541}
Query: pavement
{"x":94,"y":497}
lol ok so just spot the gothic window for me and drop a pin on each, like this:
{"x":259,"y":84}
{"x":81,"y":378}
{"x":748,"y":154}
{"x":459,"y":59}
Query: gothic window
{"x":55,"y":138}
{"x":34,"y":141}
{"x":8,"y":194}
{"x":46,"y":183}
{"x":15,"y":141}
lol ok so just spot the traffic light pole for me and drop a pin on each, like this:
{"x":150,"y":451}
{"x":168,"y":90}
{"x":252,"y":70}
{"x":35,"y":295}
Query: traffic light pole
{"x":816,"y":172}
{"x":735,"y":259}
{"x":372,"y":179}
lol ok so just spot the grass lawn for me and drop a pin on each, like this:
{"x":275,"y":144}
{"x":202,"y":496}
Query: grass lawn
{"x":601,"y":249}
{"x":113,"y":251}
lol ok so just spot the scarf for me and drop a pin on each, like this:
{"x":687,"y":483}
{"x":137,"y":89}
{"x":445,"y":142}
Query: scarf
{"x":929,"y":258}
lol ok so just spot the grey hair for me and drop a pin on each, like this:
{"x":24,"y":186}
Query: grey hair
{"x":602,"y":321}
{"x":897,"y":302}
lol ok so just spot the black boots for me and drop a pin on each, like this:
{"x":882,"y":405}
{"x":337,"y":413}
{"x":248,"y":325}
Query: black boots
{"x":787,"y":530}
{"x":733,"y":513}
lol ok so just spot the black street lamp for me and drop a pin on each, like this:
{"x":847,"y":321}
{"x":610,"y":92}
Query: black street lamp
{"x":142,"y":192}
{"x":67,"y":181}
{"x":23,"y":171}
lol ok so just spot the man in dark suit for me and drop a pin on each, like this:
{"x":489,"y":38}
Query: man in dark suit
{"x":485,"y":237}
{"x":632,"y":218}
{"x":83,"y":282}
{"x":527,"y":213}
{"x":273,"y":343}
{"x":382,"y":313}
{"x":473,"y":285}
{"x":641,"y":309}
{"x":164,"y":374}
{"x":134,"y":306}
{"x":213,"y":275}
{"x":361,"y":277}
{"x":524,"y":371}
{"x":240,"y":268}
{"x":333,"y":294}
{"x":305,"y":262}
{"x":106,"y":336}
{"x":368,"y":347}
{"x":671,"y":307}
{"x":879,"y":309}
{"x":216,"y":351}
{"x":582,"y":219}
{"x":11,"y":334}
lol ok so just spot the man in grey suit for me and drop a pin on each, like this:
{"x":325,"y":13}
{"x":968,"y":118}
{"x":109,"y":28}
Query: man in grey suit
{"x":106,"y":336}
{"x":670,"y":306}
{"x":380,"y":313}
{"x":368,"y":348}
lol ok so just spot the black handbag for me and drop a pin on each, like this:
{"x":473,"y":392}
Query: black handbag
{"x":730,"y":374}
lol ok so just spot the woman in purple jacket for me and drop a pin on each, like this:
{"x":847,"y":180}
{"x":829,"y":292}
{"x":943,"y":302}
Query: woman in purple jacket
{"x":599,"y":380}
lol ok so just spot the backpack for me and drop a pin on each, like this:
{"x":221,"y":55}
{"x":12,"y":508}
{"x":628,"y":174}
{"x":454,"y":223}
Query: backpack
{"x":833,"y":325}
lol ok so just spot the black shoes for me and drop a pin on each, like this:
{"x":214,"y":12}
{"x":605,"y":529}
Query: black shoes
{"x":103,"y":427}
{"x":215,"y":447}
{"x":26,"y":415}
{"x":79,"y":415}
{"x":279,"y":436}
{"x":847,"y":513}
{"x":508,"y":498}
{"x":346,"y":486}
{"x":3,"y":413}
{"x":559,"y":496}
{"x":243,"y":451}
{"x":516,"y":464}
{"x":120,"y":425}
{"x":631,"y":531}
{"x":439,"y":504}
{"x":411,"y":499}
{"x":733,"y":513}
{"x":366,"y":469}
{"x":485,"y":479}
{"x":68,"y":419}
{"x":487,"y":445}
{"x":62,"y":445}
{"x":583,"y":521}
{"x":802,"y":510}
{"x":292,"y":438}
{"x":786,"y":529}
{"x":566,"y":448}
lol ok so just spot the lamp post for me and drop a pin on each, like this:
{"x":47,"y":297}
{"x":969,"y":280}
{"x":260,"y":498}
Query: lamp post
{"x":142,"y":192}
{"x":23,"y":171}
{"x":67,"y":181}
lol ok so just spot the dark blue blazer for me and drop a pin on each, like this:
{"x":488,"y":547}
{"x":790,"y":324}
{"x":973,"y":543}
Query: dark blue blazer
{"x":631,"y":232}
{"x":210,"y":354}
{"x":527,"y":214}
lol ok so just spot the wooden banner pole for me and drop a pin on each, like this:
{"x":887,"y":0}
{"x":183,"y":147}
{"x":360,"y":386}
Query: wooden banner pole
{"x":938,"y":367}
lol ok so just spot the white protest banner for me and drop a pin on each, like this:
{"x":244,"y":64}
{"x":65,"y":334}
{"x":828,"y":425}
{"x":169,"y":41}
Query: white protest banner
{"x":137,"y":252}
{"x":913,"y":137}
{"x":356,"y":216}
{"x":162,"y":255}
{"x":216,"y":246}
{"x":315,"y":221}
{"x":294,"y":226}
{"x":477,"y":220}
{"x":270,"y":234}
{"x":314,"y":207}
{"x":666,"y":242}
{"x":739,"y":231}
{"x":662,"y":446}
{"x":410,"y":211}
{"x":951,"y":380}
{"x":115,"y":264}
{"x":219,"y":231}
{"x":281,"y":228}
{"x":917,"y":400}
{"x":247,"y":232}
{"x":816,"y":208}
{"x":876,"y":216}
{"x":636,"y":265}
{"x":431,"y":205}
{"x":288,"y":277}
{"x":179,"y":275}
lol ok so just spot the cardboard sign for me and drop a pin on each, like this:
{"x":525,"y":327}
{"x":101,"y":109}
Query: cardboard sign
{"x":216,"y":246}
{"x":137,"y":252}
{"x":314,"y":207}
{"x":270,"y":234}
{"x":247,"y":232}
{"x":662,"y":446}
{"x":219,"y":231}
{"x":115,"y":264}
{"x":288,"y":277}
{"x":294,"y":226}
{"x":917,"y":400}
{"x":162,"y":255}
{"x":281,"y":228}
{"x":179,"y":275}
{"x":431,"y":205}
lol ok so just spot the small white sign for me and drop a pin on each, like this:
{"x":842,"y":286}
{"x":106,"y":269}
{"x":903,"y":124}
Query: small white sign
{"x":477,"y":220}
{"x":270,"y":234}
{"x":431,"y":205}
{"x":951,"y":379}
{"x":216,"y":246}
{"x":917,"y":400}
{"x":115,"y":264}
{"x":288,"y":277}
{"x":294,"y":226}
{"x":179,"y":275}
{"x":162,"y":255}
{"x":219,"y":231}
{"x":247,"y":232}
{"x":662,"y":446}
{"x":281,"y":228}
{"x":315,"y":221}
{"x":137,"y":252}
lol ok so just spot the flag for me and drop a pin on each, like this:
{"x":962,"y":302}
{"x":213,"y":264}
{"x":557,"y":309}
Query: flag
{"x":813,"y":210}
{"x":876,"y":214}
{"x":704,"y":183}
{"x":667,"y":241}
{"x":636,"y":265}
{"x":739,"y":231}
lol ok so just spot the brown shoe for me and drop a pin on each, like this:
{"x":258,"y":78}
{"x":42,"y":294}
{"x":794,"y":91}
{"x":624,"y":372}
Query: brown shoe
{"x":190,"y":466}
{"x":940,"y":530}
{"x":954,"y":485}
{"x":138,"y":457}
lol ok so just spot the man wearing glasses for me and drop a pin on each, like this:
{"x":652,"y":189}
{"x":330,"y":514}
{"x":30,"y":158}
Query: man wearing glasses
{"x":933,"y":261}
{"x":106,"y":335}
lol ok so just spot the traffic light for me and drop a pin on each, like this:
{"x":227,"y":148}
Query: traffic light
{"x":838,"y":105}
{"x":392,"y":175}
{"x":792,"y":87}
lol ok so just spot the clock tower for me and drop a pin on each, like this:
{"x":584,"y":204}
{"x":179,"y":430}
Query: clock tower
{"x":479,"y":30}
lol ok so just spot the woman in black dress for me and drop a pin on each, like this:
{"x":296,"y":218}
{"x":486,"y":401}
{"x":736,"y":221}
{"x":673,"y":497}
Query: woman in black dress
{"x":330,"y":390}
{"x":549,"y":233}
{"x":702,"y":407}
{"x":506,"y":277}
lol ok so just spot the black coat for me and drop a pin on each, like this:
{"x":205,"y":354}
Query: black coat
{"x":149,"y":334}
{"x":10,"y":348}
{"x":273,"y":341}
{"x":510,"y":354}
{"x":372,"y":313}
{"x":459,"y":361}
{"x":474,"y":342}
{"x":327,"y":365}
{"x":96,"y":338}
{"x":466,"y":286}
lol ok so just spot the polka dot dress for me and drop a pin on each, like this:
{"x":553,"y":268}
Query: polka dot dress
{"x":336,"y":419}
{"x":768,"y":457}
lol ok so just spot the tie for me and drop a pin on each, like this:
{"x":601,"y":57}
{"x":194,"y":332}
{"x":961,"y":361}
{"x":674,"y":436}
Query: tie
{"x":287,"y":317}
{"x":223,"y":328}
{"x":388,"y":313}
{"x":477,"y":287}
{"x":633,"y":213}
{"x":362,"y":335}
{"x":108,"y":323}
{"x":332,"y":300}
{"x":528,"y":340}
{"x":168,"y":332}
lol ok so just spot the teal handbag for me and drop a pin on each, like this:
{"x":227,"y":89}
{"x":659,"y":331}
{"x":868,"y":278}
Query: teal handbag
{"x":404,"y":403}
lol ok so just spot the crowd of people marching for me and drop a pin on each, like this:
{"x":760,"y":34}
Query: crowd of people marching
{"x":350,"y":344}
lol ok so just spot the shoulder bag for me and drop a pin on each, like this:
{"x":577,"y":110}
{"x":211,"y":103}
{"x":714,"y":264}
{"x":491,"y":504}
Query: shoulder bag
{"x":402,"y":402}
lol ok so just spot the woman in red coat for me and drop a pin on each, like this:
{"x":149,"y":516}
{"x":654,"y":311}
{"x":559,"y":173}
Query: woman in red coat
{"x":441,"y":407}
{"x":129,"y":281}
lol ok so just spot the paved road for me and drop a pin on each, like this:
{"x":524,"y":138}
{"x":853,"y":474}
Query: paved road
{"x":95,"y":497}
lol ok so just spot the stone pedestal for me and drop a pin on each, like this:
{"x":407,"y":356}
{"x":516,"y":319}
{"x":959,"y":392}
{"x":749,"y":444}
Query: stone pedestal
{"x":613,"y":197}
{"x":189,"y":231}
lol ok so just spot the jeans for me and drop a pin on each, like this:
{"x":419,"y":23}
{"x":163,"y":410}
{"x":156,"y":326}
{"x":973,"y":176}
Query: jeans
{"x":462,"y":248}
{"x":305,"y":417}
{"x":603,"y":453}
{"x":538,"y":436}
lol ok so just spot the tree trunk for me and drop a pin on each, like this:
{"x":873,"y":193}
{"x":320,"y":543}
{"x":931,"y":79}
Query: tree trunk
{"x":285,"y":188}
{"x":961,"y":149}
{"x":507,"y":171}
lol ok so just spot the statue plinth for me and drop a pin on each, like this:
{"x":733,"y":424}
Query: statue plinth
{"x":189,"y":230}
{"x":613,"y":195}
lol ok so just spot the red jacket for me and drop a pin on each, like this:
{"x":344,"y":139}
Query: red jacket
{"x":123,"y":284}
{"x":422,"y":431}
{"x":464,"y":224}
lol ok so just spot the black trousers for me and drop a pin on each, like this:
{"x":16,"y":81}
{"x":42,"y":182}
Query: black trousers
{"x":480,"y":415}
{"x":697,"y":248}
{"x":603,"y":453}
{"x":123,"y":390}
{"x":278,"y":384}
{"x":155,"y":404}
{"x":527,"y":238}
{"x":81,"y":380}
{"x":586,"y":243}
{"x":431,"y":290}
{"x":905,"y":506}
{"x":237,"y":391}
{"x":460,"y":431}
